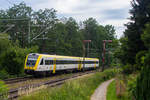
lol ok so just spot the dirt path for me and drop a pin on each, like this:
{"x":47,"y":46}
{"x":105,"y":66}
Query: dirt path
{"x":100,"y":92}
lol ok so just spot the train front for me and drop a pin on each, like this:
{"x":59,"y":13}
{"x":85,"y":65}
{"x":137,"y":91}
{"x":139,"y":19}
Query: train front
{"x":31,"y":63}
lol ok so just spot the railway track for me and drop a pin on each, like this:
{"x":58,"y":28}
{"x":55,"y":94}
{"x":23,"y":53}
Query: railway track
{"x":15,"y":93}
{"x":18,"y":79}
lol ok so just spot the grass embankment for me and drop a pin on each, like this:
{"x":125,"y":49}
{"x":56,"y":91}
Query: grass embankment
{"x":111,"y":92}
{"x":3,"y":91}
{"x":79,"y":89}
{"x":121,"y":88}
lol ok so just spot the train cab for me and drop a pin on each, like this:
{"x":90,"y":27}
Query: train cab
{"x":30,"y":63}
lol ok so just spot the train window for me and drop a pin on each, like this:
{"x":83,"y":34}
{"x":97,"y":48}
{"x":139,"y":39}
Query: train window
{"x":31,"y":62}
{"x":48,"y":62}
{"x":90,"y":62}
{"x":51,"y":61}
{"x":41,"y":63}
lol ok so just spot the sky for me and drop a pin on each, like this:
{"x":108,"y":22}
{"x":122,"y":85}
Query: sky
{"x":113,"y":12}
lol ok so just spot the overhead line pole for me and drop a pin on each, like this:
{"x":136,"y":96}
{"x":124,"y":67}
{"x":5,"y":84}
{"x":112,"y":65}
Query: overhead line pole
{"x":29,"y":41}
{"x":85,"y":41}
{"x":103,"y":54}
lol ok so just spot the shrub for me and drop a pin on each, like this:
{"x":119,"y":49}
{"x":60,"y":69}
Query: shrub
{"x":143,"y":81}
{"x":4,"y":43}
{"x":13,"y":60}
{"x":132,"y":86}
{"x":146,"y":36}
{"x":3,"y":91}
{"x":139,"y":59}
{"x":3,"y":74}
{"x":12,"y":57}
{"x":127,"y":69}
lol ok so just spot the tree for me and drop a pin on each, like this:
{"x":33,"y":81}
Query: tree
{"x":140,"y":15}
{"x":97,"y":33}
{"x":4,"y":43}
{"x":110,"y":31}
{"x":146,"y":36}
{"x":46,"y":19}
{"x":122,"y":51}
{"x":18,"y":17}
{"x":73,"y":37}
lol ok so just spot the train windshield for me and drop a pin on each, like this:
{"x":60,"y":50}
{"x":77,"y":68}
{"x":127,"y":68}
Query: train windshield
{"x":31,"y":61}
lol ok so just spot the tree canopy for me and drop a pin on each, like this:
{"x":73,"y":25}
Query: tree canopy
{"x":51,"y":34}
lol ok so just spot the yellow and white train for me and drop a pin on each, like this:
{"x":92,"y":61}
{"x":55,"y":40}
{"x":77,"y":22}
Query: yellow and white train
{"x":45,"y":64}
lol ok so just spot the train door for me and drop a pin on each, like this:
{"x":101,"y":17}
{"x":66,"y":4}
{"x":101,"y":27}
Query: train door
{"x":54,"y":65}
{"x":84,"y":63}
{"x":80,"y":64}
{"x":95,"y":64}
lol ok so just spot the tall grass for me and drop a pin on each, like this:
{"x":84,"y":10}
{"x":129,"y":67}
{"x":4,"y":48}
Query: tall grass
{"x":117,"y":91}
{"x":79,"y":89}
{"x":3,"y":91}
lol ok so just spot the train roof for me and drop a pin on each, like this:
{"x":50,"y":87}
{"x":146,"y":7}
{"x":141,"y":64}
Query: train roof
{"x":48,"y":55}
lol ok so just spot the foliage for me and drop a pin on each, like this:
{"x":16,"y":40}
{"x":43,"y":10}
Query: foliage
{"x":4,"y":43}
{"x":4,"y":74}
{"x":12,"y":57}
{"x":128,"y":69}
{"x":140,"y":56}
{"x":15,"y":60}
{"x":132,"y":79}
{"x":81,"y":89}
{"x":121,"y":51}
{"x":139,"y":17}
{"x":143,"y":80}
{"x":146,"y":36}
{"x":19,"y":30}
{"x":3,"y":91}
{"x":141,"y":91}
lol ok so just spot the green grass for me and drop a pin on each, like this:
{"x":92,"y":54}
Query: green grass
{"x":111,"y":92}
{"x":79,"y":89}
{"x":3,"y":91}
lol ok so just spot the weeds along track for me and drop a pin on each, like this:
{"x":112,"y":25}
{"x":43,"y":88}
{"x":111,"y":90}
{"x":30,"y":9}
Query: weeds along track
{"x":14,"y":93}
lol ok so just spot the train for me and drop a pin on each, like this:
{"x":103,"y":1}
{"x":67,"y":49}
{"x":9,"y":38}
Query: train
{"x":45,"y":64}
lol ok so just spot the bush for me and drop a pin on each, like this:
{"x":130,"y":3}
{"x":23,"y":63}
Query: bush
{"x":3,"y":74}
{"x":146,"y":36}
{"x":3,"y":91}
{"x":12,"y":57}
{"x":143,"y":85}
{"x":139,"y":59}
{"x":132,"y":86}
{"x":13,"y":60}
{"x":127,"y":69}
{"x":143,"y":81}
{"x":5,"y":44}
